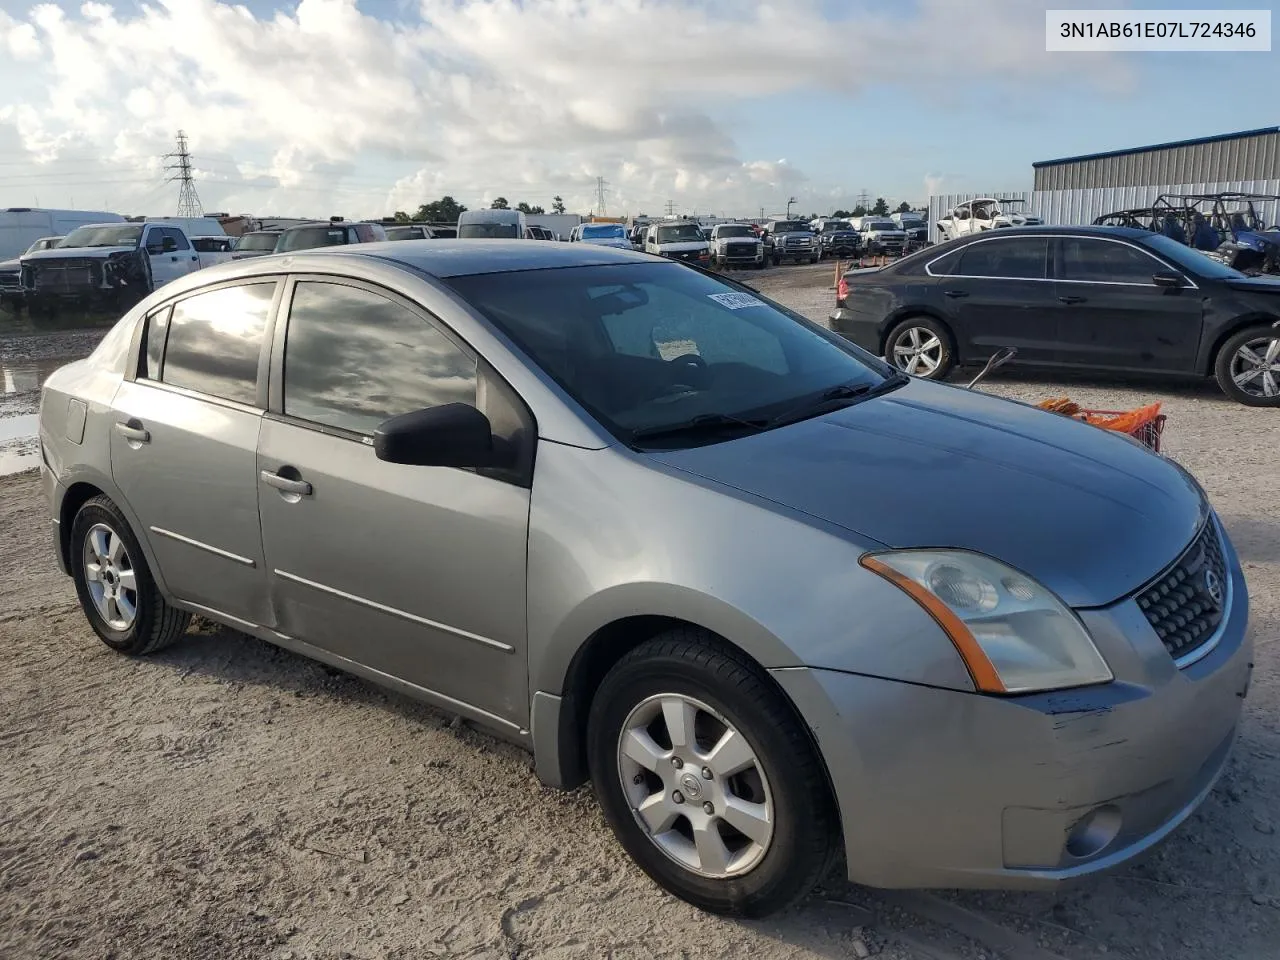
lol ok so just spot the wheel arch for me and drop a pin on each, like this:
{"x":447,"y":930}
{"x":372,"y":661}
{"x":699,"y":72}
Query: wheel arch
{"x":80,"y":491}
{"x":1229,"y":330}
{"x":896,"y":318}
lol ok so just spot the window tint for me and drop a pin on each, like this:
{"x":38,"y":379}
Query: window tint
{"x":1023,"y":258}
{"x":152,"y":353}
{"x":306,"y":238}
{"x":353,"y":359}
{"x":1102,"y":261}
{"x":215,"y":339}
{"x":946,"y":264}
{"x":178,"y":237}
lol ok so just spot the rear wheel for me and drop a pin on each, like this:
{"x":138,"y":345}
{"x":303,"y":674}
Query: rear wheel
{"x":921,"y":346}
{"x":117,"y":593}
{"x":1248,"y":367}
{"x":709,"y":778}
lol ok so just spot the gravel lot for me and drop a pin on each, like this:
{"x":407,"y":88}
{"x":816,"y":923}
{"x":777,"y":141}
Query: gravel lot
{"x":228,"y":799}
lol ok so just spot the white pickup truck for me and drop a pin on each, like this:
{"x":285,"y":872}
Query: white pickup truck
{"x":110,"y":265}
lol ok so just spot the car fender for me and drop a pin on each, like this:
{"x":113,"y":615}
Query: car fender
{"x":1255,"y":318}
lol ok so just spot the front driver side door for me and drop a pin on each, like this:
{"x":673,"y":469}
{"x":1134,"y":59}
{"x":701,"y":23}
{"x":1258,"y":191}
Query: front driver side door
{"x":416,"y":572}
{"x":170,"y":254}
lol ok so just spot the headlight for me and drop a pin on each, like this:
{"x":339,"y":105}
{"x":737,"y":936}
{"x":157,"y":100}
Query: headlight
{"x":1012,"y":633}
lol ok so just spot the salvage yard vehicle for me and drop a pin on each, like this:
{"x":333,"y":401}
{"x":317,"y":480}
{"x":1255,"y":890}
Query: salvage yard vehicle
{"x":667,"y":535}
{"x":792,"y":240}
{"x":678,"y":240}
{"x":214,"y":250}
{"x":111,"y":265}
{"x":836,"y":238}
{"x":21,"y":226}
{"x":1106,"y":299}
{"x":328,"y":233}
{"x":881,"y":235}
{"x":985,"y":213}
{"x":11,"y":295}
{"x":492,"y":225}
{"x":258,"y":243}
{"x":604,"y":234}
{"x":736,"y":245}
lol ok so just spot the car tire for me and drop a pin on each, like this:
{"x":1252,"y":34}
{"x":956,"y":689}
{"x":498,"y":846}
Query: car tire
{"x":105,"y":557}
{"x":814,"y":259}
{"x":1262,"y":343}
{"x":777,"y":261}
{"x":932,"y":355}
{"x":721,"y":694}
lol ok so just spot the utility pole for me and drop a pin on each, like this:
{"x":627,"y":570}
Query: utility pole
{"x":671,"y":208}
{"x":789,"y":203}
{"x":601,"y":183}
{"x":762,"y":213}
{"x":188,"y":200}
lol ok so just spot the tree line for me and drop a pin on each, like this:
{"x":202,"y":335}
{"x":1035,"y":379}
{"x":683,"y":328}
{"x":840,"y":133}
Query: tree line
{"x":447,"y":209}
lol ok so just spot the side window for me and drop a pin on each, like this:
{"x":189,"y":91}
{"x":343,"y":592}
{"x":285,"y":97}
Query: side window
{"x":946,"y":264}
{"x":178,"y":237}
{"x":1019,"y":259}
{"x":215,"y":340}
{"x":1102,"y":261}
{"x":353,"y":358}
{"x":152,"y":353}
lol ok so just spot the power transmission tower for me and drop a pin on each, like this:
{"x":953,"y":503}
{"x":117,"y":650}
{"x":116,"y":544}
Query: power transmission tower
{"x":188,"y":199}
{"x":671,"y":208}
{"x":864,"y":199}
{"x":601,"y":183}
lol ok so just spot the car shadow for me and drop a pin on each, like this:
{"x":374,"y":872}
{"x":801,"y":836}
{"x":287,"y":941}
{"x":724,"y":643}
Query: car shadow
{"x":1206,"y":389}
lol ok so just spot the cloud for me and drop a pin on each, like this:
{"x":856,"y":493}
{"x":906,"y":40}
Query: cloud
{"x":327,"y":107}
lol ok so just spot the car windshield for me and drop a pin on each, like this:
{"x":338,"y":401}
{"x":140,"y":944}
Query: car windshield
{"x":645,"y":346}
{"x":258,"y":241}
{"x":832,"y":225}
{"x":604,"y":231}
{"x":879,"y":225}
{"x":123,"y":235}
{"x":722,"y":232}
{"x":45,"y":243}
{"x":405,"y":233}
{"x":444,"y":233}
{"x":1190,"y":259}
{"x":488,"y":231}
{"x":679,"y":233}
{"x":305,"y":238}
{"x":790,"y":226}
{"x":912,"y":224}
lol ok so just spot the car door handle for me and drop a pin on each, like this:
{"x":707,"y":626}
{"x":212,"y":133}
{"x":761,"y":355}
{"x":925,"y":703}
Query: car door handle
{"x":132,"y":430}
{"x":1073,"y":299}
{"x":284,"y":484}
{"x":956,"y":294}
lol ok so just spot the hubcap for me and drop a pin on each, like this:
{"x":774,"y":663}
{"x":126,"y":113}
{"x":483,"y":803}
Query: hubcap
{"x":917,"y":351}
{"x":1256,"y":367}
{"x":109,"y":574}
{"x":716,"y":826}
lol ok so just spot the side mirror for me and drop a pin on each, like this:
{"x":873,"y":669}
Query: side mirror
{"x":1168,"y":278}
{"x":451,"y":435}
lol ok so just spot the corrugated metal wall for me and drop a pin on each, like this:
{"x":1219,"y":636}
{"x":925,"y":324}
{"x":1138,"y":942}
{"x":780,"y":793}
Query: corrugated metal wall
{"x":1255,"y":156}
{"x":1083,"y":206}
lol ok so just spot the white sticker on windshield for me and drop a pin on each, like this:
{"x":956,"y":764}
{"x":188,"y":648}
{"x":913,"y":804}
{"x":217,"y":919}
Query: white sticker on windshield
{"x":736,"y":301}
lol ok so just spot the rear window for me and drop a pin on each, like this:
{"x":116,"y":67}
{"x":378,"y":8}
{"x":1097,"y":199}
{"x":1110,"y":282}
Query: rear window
{"x":489,"y":231}
{"x":258,"y":241}
{"x":305,"y":238}
{"x":405,"y":233}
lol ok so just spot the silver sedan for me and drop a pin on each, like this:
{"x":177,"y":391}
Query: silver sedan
{"x":772,"y":597}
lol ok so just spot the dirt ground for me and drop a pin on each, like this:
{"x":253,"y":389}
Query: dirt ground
{"x":226,"y":799}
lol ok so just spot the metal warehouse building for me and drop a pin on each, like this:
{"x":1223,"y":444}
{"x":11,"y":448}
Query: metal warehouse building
{"x":1249,"y":155}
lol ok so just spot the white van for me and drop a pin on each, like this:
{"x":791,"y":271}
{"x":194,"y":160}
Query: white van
{"x":22,"y":226}
{"x":492,"y":225}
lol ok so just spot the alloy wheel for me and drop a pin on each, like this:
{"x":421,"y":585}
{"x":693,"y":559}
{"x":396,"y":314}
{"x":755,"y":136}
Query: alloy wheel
{"x":917,"y":351}
{"x":695,"y":785}
{"x":1255,"y":368}
{"x":110,"y":577}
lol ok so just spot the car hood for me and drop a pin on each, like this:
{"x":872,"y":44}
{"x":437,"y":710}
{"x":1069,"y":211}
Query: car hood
{"x":1086,"y":512}
{"x":1255,"y":284}
{"x":886,"y":232}
{"x":76,"y":253}
{"x":14,"y":264}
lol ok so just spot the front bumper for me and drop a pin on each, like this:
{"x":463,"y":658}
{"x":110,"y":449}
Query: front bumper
{"x":939,"y":788}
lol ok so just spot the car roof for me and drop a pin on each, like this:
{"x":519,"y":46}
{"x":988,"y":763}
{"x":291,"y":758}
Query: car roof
{"x":451,"y":258}
{"x":1126,"y":233}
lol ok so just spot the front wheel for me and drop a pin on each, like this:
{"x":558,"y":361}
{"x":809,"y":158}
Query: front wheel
{"x":1248,"y":367}
{"x":116,"y":590}
{"x":709,"y":778}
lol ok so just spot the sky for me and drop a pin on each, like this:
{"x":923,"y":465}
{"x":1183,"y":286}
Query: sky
{"x":724,"y":107}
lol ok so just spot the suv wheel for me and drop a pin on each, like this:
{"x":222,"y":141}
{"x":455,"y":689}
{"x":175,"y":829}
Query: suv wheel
{"x":709,"y":778}
{"x":1248,"y":367}
{"x":117,"y":593}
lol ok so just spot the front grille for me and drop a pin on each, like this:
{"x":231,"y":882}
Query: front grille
{"x":1186,"y":603}
{"x":693,"y":255}
{"x":743,"y":250}
{"x":64,"y":276}
{"x":10,"y":280}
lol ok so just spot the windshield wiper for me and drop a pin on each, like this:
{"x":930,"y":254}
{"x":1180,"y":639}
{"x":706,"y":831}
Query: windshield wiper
{"x":838,"y":394}
{"x":703,"y":423}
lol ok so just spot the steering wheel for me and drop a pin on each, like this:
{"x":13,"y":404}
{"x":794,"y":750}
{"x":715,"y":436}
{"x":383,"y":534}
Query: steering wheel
{"x":695,"y":364}
{"x":689,"y":374}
